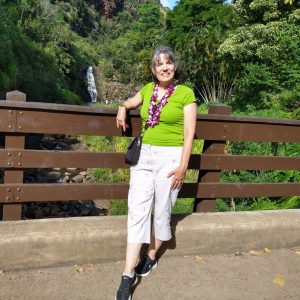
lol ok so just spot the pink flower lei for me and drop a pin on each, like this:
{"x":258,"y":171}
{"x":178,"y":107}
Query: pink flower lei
{"x":154,"y":109}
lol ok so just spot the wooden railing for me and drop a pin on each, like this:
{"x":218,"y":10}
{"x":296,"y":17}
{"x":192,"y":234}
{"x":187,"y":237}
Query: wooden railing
{"x":18,"y":118}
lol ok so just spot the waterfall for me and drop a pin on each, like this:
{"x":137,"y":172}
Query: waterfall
{"x":91,"y":85}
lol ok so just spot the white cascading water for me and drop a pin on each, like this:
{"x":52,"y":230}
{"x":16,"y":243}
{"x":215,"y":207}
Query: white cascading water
{"x":91,"y":85}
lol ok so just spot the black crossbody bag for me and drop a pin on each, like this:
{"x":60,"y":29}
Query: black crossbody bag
{"x":134,"y":149}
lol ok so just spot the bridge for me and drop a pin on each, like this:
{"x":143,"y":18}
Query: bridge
{"x":27,"y":244}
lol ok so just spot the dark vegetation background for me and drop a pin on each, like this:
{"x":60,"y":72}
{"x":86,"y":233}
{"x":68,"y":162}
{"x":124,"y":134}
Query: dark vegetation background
{"x":245,"y":54}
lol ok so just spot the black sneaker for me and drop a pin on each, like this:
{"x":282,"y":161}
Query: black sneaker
{"x":145,"y":266}
{"x":124,"y":291}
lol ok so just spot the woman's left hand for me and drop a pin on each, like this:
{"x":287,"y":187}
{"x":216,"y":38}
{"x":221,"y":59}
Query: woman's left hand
{"x":178,"y":177}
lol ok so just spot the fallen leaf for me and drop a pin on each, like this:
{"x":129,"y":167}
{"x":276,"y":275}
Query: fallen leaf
{"x":199,"y":259}
{"x":255,"y":253}
{"x":238,"y":253}
{"x":296,"y":249}
{"x":267,"y":250}
{"x":79,"y":269}
{"x":279,"y":281}
{"x":86,"y":267}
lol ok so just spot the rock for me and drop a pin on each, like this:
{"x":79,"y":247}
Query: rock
{"x":61,"y":214}
{"x":67,"y":173}
{"x":66,"y":179}
{"x":103,"y":203}
{"x":56,"y":169}
{"x":46,"y":210}
{"x":48,"y":144}
{"x":78,"y":179}
{"x":61,"y":146}
{"x":59,"y":136}
{"x":30,"y":179}
{"x":65,"y":206}
{"x":72,"y":169}
{"x":72,"y":212}
{"x":54,"y":212}
{"x":85,"y":211}
{"x":53,"y":176}
{"x":83,"y":173}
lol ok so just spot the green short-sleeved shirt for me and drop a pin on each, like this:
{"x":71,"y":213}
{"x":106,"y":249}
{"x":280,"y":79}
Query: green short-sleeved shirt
{"x":169,"y":131}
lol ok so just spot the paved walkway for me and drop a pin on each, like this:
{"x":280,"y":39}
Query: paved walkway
{"x":274,"y":276}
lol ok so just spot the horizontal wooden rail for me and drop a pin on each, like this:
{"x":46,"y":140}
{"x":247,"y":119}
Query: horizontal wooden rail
{"x":12,"y":158}
{"x":66,"y":108}
{"x":31,"y":118}
{"x":12,"y":193}
{"x":237,"y":162}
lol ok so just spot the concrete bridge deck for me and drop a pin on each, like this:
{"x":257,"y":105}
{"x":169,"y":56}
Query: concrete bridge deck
{"x":38,"y":257}
{"x":274,"y":276}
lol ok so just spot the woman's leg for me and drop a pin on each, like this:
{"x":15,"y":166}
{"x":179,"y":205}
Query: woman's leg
{"x":132,"y":256}
{"x":165,"y":196}
{"x":140,"y":198}
{"x":154,"y":247}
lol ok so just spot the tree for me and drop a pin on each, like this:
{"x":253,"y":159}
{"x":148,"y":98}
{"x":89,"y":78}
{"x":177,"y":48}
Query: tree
{"x":196,"y":28}
{"x":267,"y":50}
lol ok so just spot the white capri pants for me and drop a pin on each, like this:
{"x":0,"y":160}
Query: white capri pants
{"x":148,"y":181}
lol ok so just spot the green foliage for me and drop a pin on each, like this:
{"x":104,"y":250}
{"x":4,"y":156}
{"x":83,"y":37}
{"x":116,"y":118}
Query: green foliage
{"x":196,"y":28}
{"x":42,"y":54}
{"x":183,"y":206}
{"x":131,"y":51}
{"x":119,"y":207}
{"x":290,"y":202}
{"x":266,"y":47}
{"x":221,"y":206}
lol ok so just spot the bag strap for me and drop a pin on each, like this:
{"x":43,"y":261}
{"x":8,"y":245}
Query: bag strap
{"x":144,"y":129}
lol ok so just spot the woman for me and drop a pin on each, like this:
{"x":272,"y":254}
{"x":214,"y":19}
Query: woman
{"x":169,"y":110}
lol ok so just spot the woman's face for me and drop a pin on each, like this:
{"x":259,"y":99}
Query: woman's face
{"x":164,"y":69}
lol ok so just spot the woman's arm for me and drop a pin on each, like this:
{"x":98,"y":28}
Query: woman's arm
{"x":131,"y":103}
{"x":190,"y":116}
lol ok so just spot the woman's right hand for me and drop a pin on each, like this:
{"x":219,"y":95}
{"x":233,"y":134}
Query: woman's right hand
{"x":131,"y":103}
{"x":121,"y":118}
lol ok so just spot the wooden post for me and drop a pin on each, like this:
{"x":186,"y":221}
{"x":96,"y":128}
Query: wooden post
{"x":211,"y":147}
{"x":13,"y":140}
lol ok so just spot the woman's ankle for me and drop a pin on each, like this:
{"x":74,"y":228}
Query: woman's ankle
{"x":151,"y":255}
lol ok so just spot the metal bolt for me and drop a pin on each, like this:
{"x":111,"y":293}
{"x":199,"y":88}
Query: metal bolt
{"x":20,"y":127}
{"x":21,"y":113}
{"x":9,"y":154}
{"x":17,"y":198}
{"x":20,"y":154}
{"x":19,"y":164}
{"x":8,"y":189}
{"x":9,"y":164}
{"x":7,"y":198}
{"x":9,"y":126}
{"x":10,"y":111}
{"x":18,"y":189}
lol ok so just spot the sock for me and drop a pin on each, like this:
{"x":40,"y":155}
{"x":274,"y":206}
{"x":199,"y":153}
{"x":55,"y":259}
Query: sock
{"x":128,"y":274}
